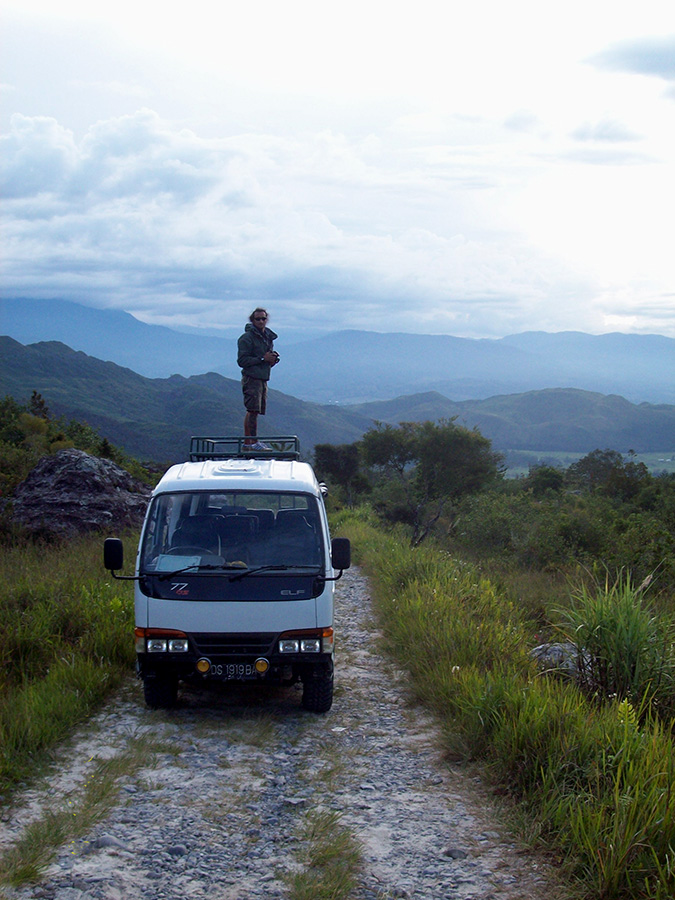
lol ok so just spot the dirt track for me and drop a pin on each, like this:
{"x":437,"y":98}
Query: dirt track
{"x":216,"y":809}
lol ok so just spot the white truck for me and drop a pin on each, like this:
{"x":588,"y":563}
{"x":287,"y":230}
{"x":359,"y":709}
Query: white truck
{"x":234,"y":575}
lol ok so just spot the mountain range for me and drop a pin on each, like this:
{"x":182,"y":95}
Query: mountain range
{"x":154,"y":418}
{"x":355,"y":367}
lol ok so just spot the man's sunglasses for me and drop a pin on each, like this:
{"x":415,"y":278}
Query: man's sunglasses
{"x":260,"y":318}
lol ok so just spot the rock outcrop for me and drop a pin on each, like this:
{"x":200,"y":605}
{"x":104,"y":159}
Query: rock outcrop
{"x":72,"y":493}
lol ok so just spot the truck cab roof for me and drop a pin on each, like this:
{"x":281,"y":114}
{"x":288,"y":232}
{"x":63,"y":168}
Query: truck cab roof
{"x":240,"y":474}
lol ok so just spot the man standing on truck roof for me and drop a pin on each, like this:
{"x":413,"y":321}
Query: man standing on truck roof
{"x":256,"y":356}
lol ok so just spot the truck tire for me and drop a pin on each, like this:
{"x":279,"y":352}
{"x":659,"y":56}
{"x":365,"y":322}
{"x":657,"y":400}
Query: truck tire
{"x":160,"y":693}
{"x":317,"y":692}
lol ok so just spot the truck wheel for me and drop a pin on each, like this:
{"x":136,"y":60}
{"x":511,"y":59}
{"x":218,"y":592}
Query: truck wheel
{"x":317,"y":692}
{"x":160,"y":694}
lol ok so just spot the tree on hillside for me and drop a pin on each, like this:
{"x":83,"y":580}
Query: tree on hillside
{"x":341,"y":463}
{"x":542,"y":480}
{"x":10,"y":414}
{"x":628,"y":480}
{"x":607,"y":472}
{"x":425,"y":467}
{"x":593,"y":470}
{"x":38,"y":406}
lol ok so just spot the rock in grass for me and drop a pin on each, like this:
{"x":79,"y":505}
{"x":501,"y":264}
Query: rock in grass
{"x":562,"y":657}
{"x":73,"y":492}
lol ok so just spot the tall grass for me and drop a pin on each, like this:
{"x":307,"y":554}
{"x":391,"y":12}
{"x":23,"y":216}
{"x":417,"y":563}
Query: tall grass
{"x":66,"y":639}
{"x":596,"y":779}
{"x":625,"y":649}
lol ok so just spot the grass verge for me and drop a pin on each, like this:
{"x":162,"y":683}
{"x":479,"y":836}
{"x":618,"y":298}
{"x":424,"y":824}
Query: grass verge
{"x":331,"y":859}
{"x":66,"y":639}
{"x":596,"y":778}
{"x":65,"y":823}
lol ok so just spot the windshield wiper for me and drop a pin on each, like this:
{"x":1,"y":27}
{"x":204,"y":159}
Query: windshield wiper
{"x":278,"y":568}
{"x":197,"y":567}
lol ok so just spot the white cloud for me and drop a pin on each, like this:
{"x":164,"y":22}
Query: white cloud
{"x":604,"y":130}
{"x":37,"y":157}
{"x":653,"y":55}
{"x":391,"y":168}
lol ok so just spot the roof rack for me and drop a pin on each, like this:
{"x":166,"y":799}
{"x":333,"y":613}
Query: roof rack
{"x":281,"y":447}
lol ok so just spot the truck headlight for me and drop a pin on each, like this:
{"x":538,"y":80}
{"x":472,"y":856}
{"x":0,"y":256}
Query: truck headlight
{"x":287,"y":645}
{"x":179,"y":645}
{"x":159,"y":640}
{"x":156,"y":645}
{"x":310,"y":645}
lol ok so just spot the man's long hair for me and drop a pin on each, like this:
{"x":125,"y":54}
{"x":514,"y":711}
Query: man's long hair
{"x":258,"y":309}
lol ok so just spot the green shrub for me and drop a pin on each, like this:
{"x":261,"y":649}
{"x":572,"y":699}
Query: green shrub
{"x":644,"y":545}
{"x":563,"y":531}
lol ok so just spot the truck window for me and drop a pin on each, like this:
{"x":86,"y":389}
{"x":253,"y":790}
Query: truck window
{"x":247,"y":529}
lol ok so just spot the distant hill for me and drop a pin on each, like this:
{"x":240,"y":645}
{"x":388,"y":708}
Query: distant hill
{"x":153,"y":419}
{"x":360,"y":366}
{"x":553,"y":419}
{"x":115,"y":336}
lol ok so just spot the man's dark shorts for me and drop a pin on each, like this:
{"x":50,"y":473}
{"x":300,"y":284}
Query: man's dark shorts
{"x":255,"y":394}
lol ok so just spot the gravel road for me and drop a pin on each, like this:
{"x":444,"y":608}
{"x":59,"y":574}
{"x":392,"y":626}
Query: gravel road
{"x":216,"y":808}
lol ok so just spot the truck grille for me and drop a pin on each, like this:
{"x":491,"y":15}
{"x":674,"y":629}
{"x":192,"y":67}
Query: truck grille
{"x":234,"y":644}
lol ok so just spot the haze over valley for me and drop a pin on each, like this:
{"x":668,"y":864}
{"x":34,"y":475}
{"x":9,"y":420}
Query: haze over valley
{"x":154,"y":418}
{"x":362,"y":366}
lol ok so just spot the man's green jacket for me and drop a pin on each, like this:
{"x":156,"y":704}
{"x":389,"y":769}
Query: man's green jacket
{"x":251,"y":347}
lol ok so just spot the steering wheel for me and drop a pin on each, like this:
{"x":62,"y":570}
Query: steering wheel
{"x":190,"y":550}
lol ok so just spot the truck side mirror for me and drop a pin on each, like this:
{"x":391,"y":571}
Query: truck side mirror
{"x":341,"y":553}
{"x":113,"y":554}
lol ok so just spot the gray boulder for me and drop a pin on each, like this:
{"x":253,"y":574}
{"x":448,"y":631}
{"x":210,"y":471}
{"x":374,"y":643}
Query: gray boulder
{"x":564,"y":658}
{"x":71,"y":493}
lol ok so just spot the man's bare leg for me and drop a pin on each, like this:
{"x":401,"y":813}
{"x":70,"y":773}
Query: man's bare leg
{"x":251,"y":428}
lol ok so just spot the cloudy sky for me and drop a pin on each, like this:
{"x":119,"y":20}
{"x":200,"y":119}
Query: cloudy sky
{"x":477,"y":168}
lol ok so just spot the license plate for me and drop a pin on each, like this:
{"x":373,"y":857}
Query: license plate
{"x":228,"y":671}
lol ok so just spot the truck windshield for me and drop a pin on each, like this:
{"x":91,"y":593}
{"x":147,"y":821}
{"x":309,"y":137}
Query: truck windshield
{"x":232,"y":530}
